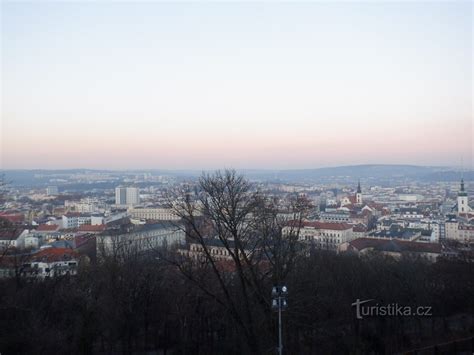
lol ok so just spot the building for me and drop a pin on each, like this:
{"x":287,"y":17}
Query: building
{"x":52,"y":262}
{"x":14,"y":238}
{"x":93,"y":229}
{"x":323,"y":235}
{"x":215,"y":248}
{"x":87,"y":205}
{"x":462,"y":200}
{"x":47,"y":228}
{"x":359,"y":231}
{"x":52,"y":191}
{"x":457,"y":229}
{"x":355,"y":199}
{"x":127,"y":196}
{"x":139,"y":239}
{"x":335,"y":216}
{"x":12,"y":216}
{"x":358,"y":194}
{"x":75,"y":220}
{"x":394,"y":248}
{"x":451,"y":227}
{"x":397,"y":231}
{"x":120,"y":195}
{"x":32,"y":241}
{"x":157,"y":214}
{"x":466,"y":233}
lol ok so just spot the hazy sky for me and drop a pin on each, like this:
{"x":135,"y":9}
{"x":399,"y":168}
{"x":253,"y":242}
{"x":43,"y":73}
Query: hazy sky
{"x":245,"y":85}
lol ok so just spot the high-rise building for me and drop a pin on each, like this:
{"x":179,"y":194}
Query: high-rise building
{"x":127,"y":196}
{"x":133,"y":196}
{"x":120,"y":196}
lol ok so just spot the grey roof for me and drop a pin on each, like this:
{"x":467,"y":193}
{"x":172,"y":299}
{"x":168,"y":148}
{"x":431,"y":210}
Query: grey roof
{"x":397,"y":231}
{"x":63,"y":244}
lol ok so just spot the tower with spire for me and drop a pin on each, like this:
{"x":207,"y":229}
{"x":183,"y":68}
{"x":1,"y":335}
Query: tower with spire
{"x":359,"y":194}
{"x":463,"y":206}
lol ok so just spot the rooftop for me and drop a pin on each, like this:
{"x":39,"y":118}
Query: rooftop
{"x":47,"y":228}
{"x":395,"y":245}
{"x":11,"y":234}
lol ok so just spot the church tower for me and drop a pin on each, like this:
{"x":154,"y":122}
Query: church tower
{"x":359,"y":194}
{"x":463,"y":206}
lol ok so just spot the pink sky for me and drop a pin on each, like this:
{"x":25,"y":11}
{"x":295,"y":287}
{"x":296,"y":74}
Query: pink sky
{"x":202,"y":86}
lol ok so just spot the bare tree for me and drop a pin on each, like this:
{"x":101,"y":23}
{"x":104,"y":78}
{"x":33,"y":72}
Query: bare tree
{"x":225,"y":208}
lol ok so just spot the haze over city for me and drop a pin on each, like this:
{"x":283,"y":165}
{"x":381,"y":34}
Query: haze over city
{"x":248,"y":85}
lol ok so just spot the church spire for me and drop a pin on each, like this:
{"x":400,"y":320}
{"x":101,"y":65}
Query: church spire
{"x":462,"y":192}
{"x":358,"y":195}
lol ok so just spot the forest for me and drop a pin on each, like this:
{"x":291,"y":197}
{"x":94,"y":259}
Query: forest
{"x":144,"y":304}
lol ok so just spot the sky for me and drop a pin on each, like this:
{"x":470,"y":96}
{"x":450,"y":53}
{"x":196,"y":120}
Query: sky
{"x":204,"y":85}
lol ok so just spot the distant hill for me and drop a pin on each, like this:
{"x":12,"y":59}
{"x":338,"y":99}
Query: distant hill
{"x":373,"y":173}
{"x":378,"y":172}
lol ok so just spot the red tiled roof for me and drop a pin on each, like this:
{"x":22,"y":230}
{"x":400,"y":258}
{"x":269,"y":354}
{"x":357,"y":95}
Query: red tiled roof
{"x":9,"y":213}
{"x":364,"y":243}
{"x":80,"y":240}
{"x":12,"y":217}
{"x":353,"y":199}
{"x":321,"y":225}
{"x":92,"y":228}
{"x":55,"y":254}
{"x":47,"y":228}
{"x":10,"y":234}
{"x":332,"y":226}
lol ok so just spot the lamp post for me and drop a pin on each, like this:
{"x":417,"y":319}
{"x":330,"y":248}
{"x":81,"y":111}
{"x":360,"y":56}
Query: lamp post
{"x":279,"y":304}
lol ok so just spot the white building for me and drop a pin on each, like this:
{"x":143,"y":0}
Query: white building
{"x":32,"y":242}
{"x":462,"y":200}
{"x":52,"y":190}
{"x":159,"y":214}
{"x":109,"y":218}
{"x":75,"y":220}
{"x":139,"y":239}
{"x":127,"y":196}
{"x":452,"y":229}
{"x":13,"y":238}
{"x":323,"y":235}
{"x":51,"y":262}
{"x":87,"y":205}
{"x":359,"y":194}
{"x":466,"y":233}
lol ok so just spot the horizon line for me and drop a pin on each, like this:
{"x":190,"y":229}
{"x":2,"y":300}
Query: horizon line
{"x":461,"y":168}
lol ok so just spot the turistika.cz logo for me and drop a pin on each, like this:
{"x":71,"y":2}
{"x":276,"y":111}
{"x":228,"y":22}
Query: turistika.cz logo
{"x":389,"y":310}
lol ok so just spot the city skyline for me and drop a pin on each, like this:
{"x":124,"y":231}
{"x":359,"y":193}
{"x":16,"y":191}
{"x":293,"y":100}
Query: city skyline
{"x":212,"y":85}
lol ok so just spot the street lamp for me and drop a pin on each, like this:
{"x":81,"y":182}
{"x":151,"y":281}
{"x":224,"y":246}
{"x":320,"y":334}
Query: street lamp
{"x":279,"y":304}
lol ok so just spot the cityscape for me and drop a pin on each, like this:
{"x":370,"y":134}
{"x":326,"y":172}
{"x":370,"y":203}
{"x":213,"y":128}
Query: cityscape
{"x":237,"y":178}
{"x":63,"y":224}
